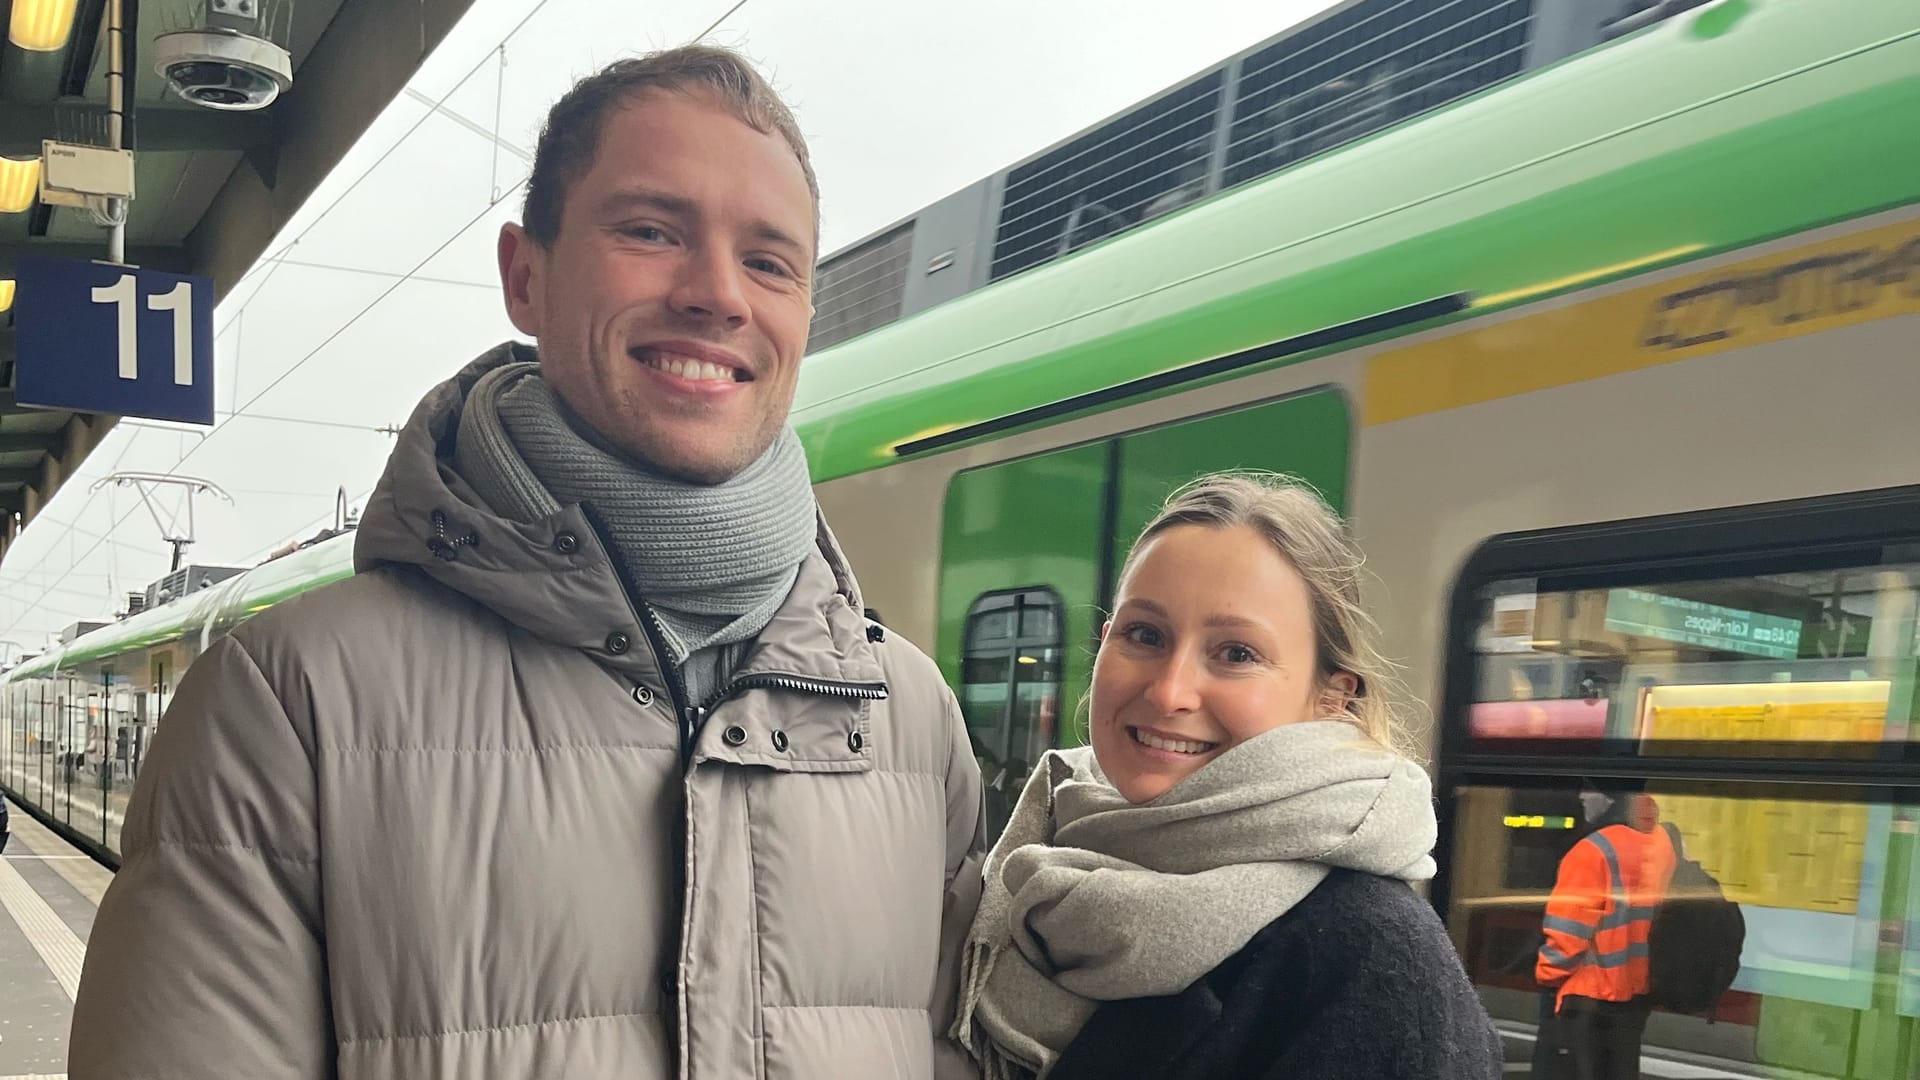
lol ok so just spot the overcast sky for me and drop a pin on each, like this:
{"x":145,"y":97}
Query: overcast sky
{"x":902,"y":103}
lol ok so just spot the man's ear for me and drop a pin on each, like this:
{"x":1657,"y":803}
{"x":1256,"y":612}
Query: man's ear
{"x":523,"y":263}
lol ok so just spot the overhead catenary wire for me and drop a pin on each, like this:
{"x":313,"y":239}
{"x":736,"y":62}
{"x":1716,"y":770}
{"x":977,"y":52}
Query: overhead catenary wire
{"x":267,"y":549}
{"x":701,"y":36}
{"x":351,"y":321}
{"x":391,"y":150}
{"x":274,"y":261}
{"x":358,"y":315}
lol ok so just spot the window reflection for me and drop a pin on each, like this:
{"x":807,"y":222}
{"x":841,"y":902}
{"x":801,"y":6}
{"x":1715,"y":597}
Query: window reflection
{"x":1010,"y":690}
{"x":73,"y":744}
{"x":1731,"y":666}
{"x":1827,"y":982}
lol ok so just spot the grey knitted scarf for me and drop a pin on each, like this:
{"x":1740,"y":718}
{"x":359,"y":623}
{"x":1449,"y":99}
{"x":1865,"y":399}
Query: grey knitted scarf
{"x":713,"y":562}
{"x":1090,"y":898}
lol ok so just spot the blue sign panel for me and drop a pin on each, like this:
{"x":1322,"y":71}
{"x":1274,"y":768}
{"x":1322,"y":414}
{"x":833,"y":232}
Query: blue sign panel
{"x":95,"y":337}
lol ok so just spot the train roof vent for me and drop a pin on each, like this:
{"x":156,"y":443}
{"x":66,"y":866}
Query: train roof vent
{"x":1363,"y":68}
{"x":1638,"y":14}
{"x":1148,"y":162}
{"x":188,"y":580}
{"x":860,"y":288}
{"x":84,"y":626}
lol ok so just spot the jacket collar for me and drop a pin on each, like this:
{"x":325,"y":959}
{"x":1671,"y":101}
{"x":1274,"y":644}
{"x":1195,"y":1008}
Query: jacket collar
{"x":554,"y":578}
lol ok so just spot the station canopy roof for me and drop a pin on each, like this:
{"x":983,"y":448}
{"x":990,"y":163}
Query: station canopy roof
{"x":212,"y":188}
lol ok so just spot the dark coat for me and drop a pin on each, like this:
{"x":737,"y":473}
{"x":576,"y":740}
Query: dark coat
{"x":1358,"y":982}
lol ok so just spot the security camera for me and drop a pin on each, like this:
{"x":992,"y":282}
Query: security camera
{"x":223,"y":69}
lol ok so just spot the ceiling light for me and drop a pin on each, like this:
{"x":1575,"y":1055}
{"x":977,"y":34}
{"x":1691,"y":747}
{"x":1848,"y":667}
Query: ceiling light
{"x":41,"y":25}
{"x":19,"y":182}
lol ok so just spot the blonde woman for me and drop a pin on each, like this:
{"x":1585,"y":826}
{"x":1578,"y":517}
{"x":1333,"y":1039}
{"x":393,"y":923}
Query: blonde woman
{"x":1219,"y":886}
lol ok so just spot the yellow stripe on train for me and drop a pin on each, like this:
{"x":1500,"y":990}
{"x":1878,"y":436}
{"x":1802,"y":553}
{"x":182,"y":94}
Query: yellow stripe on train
{"x":1858,"y":278}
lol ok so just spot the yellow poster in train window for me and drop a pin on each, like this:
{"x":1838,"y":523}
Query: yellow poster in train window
{"x":1773,"y":853}
{"x":1844,"y":281}
{"x":1778,"y":853}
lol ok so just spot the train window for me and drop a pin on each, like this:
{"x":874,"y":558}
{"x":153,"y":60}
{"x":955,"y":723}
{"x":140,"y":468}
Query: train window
{"x":1816,"y":980}
{"x":1010,"y":689}
{"x":1703,"y":720}
{"x":1759,"y":664}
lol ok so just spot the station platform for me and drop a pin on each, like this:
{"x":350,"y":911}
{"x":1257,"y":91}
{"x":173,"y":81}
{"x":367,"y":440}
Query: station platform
{"x":49,"y":892}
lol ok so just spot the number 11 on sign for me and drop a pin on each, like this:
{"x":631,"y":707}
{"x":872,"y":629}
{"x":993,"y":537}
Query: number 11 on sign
{"x":124,"y":295}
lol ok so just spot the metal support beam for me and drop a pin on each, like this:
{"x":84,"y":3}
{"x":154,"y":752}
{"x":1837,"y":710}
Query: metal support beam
{"x":23,"y":126}
{"x":39,"y":77}
{"x":26,"y":444}
{"x":30,"y":76}
{"x":53,"y":473}
{"x":85,"y":42}
{"x":71,"y":445}
{"x":172,"y":259}
{"x":82,"y":433}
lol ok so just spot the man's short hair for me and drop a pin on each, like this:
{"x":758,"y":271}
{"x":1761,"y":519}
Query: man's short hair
{"x":571,"y":137}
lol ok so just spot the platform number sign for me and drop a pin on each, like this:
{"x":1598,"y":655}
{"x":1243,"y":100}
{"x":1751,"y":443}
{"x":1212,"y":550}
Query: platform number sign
{"x":96,"y":337}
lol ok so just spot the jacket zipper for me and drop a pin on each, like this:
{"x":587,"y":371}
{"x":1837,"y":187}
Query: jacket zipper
{"x":860,"y":691}
{"x":688,"y":715}
{"x":684,"y":712}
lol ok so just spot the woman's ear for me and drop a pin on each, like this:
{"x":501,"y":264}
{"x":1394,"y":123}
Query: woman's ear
{"x":1342,"y":687}
{"x":1104,"y":627}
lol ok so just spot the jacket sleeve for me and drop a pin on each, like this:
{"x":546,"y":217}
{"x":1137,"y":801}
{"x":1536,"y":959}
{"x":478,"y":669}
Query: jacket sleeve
{"x":966,"y":859}
{"x":206,"y":955}
{"x":1573,"y":912}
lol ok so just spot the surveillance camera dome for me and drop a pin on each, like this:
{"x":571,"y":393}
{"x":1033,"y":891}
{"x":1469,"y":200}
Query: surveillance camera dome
{"x":223,"y":69}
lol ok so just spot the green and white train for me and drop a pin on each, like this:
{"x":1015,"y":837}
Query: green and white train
{"x":1613,"y":366}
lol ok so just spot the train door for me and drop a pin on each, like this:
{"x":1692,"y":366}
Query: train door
{"x":1019,"y":586}
{"x":40,"y":726}
{"x":70,"y":718}
{"x":9,"y":751}
{"x":159,"y":693}
{"x":1030,"y":549}
{"x":114,"y":747}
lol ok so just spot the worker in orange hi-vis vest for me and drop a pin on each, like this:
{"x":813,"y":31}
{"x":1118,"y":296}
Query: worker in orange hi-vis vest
{"x":1597,"y":923}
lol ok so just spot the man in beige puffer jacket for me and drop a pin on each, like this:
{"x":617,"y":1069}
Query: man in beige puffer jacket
{"x":594,"y":767}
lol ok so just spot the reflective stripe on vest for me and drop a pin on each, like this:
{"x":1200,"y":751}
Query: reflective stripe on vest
{"x":1608,"y":959}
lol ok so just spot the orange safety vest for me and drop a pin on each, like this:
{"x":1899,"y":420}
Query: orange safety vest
{"x":1602,"y":909}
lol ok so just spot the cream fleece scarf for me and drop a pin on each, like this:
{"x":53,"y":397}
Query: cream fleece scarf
{"x":1090,"y":898}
